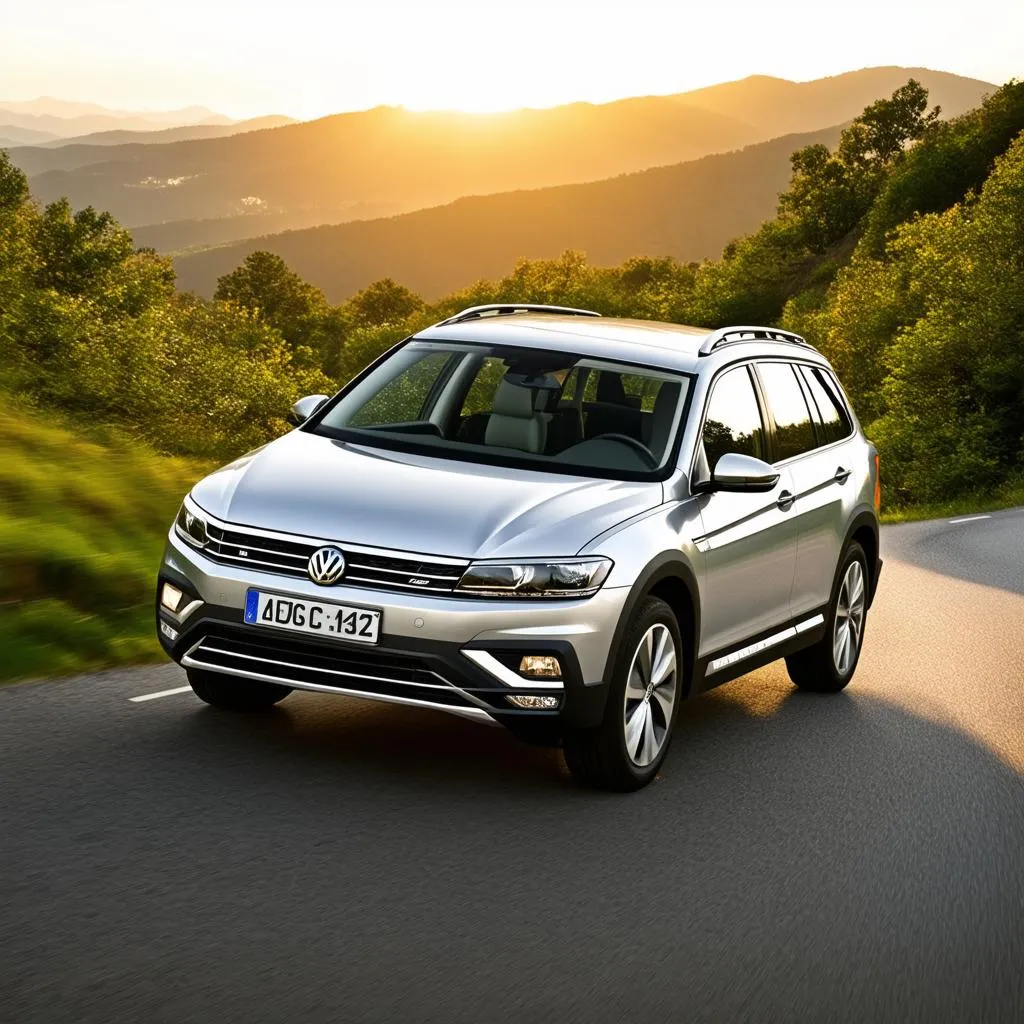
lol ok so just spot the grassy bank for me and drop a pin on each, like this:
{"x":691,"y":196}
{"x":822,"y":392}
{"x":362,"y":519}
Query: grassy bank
{"x":82,"y":524}
{"x":1009,"y":495}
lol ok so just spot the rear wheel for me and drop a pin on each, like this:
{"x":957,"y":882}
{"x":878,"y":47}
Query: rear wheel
{"x":829,"y":665}
{"x":626,"y":750}
{"x":233,"y":694}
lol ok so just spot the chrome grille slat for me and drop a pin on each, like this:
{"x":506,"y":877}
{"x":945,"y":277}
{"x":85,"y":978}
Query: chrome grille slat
{"x":263,"y":660}
{"x":402,"y":572}
{"x":282,"y":556}
{"x":358,"y":671}
{"x":288,"y":570}
{"x":263,"y":551}
{"x":390,"y":584}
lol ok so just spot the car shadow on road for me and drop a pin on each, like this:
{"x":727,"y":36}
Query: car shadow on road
{"x":800,"y":858}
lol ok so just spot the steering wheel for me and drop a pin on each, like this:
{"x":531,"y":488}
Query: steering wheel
{"x":641,"y":449}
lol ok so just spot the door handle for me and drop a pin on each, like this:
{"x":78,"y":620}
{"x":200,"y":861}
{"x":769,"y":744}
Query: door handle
{"x":841,"y":475}
{"x":784,"y":500}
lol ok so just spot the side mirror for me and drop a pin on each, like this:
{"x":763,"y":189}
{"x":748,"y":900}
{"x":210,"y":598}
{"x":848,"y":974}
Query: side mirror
{"x":742,"y":473}
{"x":304,"y":408}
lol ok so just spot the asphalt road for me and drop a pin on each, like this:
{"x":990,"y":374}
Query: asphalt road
{"x":802,"y":858}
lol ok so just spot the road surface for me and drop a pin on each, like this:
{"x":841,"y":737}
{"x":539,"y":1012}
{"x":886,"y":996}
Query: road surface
{"x":801,"y":858}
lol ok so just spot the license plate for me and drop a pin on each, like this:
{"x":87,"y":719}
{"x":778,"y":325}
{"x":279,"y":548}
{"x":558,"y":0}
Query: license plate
{"x":315,"y":617}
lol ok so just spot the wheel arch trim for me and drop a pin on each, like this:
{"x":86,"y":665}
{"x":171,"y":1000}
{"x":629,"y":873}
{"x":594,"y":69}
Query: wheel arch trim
{"x":666,"y":566}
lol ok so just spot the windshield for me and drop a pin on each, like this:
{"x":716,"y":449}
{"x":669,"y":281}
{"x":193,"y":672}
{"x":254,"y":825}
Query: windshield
{"x":515,"y":406}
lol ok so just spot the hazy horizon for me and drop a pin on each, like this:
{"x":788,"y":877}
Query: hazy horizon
{"x":321,"y":60}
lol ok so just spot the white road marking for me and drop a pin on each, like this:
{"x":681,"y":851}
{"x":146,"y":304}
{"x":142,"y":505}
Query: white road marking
{"x":968,"y":519}
{"x":161,"y":693}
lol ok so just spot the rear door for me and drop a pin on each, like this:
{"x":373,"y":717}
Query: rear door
{"x":749,"y":542}
{"x":809,"y":431}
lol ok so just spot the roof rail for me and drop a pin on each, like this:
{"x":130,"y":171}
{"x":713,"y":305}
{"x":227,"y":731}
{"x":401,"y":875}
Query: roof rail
{"x":731,"y":335}
{"x":506,"y":308}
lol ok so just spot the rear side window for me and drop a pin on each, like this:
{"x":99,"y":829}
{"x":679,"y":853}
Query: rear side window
{"x":733,"y":421}
{"x":794,"y":431}
{"x":832,"y":419}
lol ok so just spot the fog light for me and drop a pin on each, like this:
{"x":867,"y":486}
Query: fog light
{"x":171,"y":634}
{"x":170,"y":597}
{"x":531,"y":703}
{"x":541,"y":666}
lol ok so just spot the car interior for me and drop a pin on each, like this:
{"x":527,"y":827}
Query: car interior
{"x":582,"y":412}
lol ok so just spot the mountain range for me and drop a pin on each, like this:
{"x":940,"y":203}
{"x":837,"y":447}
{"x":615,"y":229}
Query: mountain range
{"x":389,"y":159}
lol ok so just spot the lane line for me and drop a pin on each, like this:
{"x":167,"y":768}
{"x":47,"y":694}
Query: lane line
{"x":968,"y":519}
{"x":160,"y":693}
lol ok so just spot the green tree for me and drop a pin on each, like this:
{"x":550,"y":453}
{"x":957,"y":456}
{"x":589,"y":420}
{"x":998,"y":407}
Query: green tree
{"x":77,"y":250}
{"x":383,"y":302}
{"x":13,"y":185}
{"x":265,"y":286}
{"x":881,"y":133}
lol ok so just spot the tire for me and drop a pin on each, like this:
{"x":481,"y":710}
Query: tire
{"x":232,"y":694}
{"x":603,"y":758}
{"x":821,"y":669}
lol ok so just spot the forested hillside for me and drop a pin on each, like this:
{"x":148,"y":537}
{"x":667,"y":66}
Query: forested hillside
{"x":899,"y":252}
{"x":688,"y":211}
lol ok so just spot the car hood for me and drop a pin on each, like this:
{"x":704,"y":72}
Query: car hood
{"x":315,"y":486}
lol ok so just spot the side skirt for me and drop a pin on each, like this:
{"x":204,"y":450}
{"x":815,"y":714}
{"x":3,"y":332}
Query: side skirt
{"x":732,"y":662}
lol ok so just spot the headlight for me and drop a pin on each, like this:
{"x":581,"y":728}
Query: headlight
{"x":575,"y":577}
{"x":191,"y":528}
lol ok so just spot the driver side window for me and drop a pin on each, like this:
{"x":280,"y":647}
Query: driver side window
{"x":733,"y":421}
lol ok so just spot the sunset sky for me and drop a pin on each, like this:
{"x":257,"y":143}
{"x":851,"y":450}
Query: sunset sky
{"x":307,"y":58}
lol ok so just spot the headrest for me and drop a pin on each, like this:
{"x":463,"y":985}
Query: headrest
{"x":511,"y":400}
{"x":610,"y":389}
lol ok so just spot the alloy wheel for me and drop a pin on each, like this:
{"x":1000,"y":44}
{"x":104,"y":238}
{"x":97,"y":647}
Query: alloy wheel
{"x":651,"y":690}
{"x":849,"y":623}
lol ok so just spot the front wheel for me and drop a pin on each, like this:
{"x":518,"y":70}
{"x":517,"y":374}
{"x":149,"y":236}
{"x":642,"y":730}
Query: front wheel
{"x":232,"y":694}
{"x":626,"y":750}
{"x":829,"y":665}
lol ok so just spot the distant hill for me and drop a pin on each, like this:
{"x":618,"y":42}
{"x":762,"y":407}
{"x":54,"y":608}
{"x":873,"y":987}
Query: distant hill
{"x":689,"y":211}
{"x":779,"y":106}
{"x":12,"y":135}
{"x":66,"y":119}
{"x":180,"y":133}
{"x":52,"y":107}
{"x":398,"y":159}
{"x":386,"y":155}
{"x":177,"y":236}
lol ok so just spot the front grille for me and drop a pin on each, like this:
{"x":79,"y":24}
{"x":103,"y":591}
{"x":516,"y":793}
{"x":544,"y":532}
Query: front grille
{"x":235,"y":546}
{"x":294,"y":663}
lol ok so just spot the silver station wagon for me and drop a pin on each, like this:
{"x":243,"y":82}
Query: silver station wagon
{"x":534,"y":516}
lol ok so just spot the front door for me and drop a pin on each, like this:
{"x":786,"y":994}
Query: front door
{"x":749,"y":540}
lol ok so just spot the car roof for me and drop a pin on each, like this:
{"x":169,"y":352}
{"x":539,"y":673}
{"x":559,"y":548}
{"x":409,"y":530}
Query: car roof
{"x":649,"y":342}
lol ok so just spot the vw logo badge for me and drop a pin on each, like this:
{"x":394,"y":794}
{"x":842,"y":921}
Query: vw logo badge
{"x":326,"y":566}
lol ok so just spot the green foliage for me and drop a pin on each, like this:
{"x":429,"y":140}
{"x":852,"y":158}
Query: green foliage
{"x":82,"y":526}
{"x":93,"y":327}
{"x":955,"y":158}
{"x":954,"y":392}
{"x":879,"y":135}
{"x":264,"y":286}
{"x":77,"y":250}
{"x":382,"y":302}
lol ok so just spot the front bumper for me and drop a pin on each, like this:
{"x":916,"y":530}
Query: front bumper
{"x":430,"y":647}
